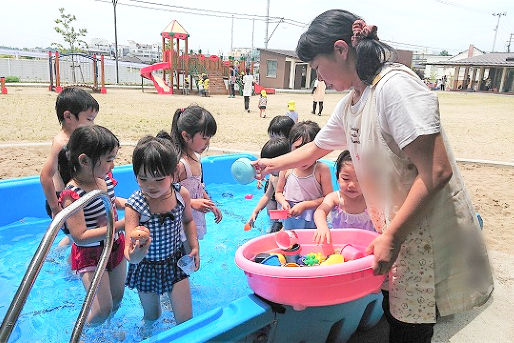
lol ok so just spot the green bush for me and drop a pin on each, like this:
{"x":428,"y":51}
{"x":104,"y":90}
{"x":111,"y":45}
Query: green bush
{"x":11,"y":79}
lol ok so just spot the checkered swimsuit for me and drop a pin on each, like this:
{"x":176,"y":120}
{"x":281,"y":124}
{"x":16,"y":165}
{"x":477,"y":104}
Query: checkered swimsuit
{"x":158,"y":271}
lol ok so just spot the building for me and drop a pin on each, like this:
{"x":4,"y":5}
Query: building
{"x":283,"y":69}
{"x":433,"y":72}
{"x":492,"y":72}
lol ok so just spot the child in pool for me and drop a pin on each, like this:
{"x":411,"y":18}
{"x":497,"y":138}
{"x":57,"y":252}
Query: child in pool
{"x":84,"y":164}
{"x":301,"y":190}
{"x":160,"y":208}
{"x":280,"y":126}
{"x":346,"y":205}
{"x":191,"y":131}
{"x":274,"y":147}
{"x":74,"y":107}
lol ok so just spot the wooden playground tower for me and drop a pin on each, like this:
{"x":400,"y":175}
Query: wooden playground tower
{"x":175,"y":31}
{"x":177,"y":64}
{"x":54,"y":68}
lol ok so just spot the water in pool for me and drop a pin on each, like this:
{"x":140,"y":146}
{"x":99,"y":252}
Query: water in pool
{"x":57,"y":295}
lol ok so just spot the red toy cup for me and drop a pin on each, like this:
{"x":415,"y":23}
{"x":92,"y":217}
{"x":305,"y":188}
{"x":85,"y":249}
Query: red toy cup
{"x":279,"y":214}
{"x":286,"y":239}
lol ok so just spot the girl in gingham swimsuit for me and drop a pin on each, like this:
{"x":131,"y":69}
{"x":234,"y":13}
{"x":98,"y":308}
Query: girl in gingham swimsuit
{"x":160,"y":208}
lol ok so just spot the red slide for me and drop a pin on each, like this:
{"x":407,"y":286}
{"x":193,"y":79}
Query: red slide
{"x":158,"y":82}
{"x":257,"y":89}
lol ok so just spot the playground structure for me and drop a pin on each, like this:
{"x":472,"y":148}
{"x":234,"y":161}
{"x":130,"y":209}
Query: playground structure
{"x":177,"y":65}
{"x":2,"y":84}
{"x":78,"y":60}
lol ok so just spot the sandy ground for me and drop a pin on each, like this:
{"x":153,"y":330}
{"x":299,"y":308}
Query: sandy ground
{"x":479,"y":126}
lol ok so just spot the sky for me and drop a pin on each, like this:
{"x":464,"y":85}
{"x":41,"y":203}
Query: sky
{"x":420,"y":25}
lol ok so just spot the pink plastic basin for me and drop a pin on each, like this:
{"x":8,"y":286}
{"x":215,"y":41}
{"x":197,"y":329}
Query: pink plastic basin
{"x":302,"y":287}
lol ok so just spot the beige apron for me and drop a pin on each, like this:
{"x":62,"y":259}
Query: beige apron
{"x":443,"y":262}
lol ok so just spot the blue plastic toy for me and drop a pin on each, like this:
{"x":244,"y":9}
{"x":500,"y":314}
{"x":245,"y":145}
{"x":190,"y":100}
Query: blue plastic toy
{"x":243,"y":171}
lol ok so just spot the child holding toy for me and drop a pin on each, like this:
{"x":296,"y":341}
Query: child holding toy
{"x":274,"y":147}
{"x":191,"y":132}
{"x":155,"y":216}
{"x":346,"y":205}
{"x":301,"y":190}
{"x":85,"y":164}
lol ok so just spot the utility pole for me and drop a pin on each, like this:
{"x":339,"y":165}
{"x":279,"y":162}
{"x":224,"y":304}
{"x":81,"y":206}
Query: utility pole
{"x":114,"y":3}
{"x":253,"y":30}
{"x":499,"y":15}
{"x":267,"y":24}
{"x":510,"y":41}
{"x":232,"y":37}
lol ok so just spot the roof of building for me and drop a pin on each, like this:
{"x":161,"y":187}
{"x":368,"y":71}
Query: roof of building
{"x":288,"y":53}
{"x":493,"y":59}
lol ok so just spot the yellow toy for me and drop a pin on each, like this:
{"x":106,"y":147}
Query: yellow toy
{"x":333,"y":259}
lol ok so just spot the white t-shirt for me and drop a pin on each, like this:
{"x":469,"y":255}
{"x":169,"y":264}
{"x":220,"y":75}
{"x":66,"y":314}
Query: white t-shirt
{"x":247,"y":81}
{"x":406,"y":110}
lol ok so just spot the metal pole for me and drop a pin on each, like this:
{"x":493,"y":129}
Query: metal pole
{"x":100,"y":268}
{"x":267,"y":24}
{"x":497,"y":24}
{"x":42,"y":251}
{"x":114,"y":3}
{"x":253,"y":30}
{"x":232,"y":37}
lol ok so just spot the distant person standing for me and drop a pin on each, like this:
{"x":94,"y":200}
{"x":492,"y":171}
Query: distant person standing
{"x":231,"y":82}
{"x":443,"y":83}
{"x":247,"y":89}
{"x":318,"y":94}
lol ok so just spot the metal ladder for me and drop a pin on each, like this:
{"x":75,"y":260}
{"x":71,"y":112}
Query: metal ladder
{"x":39,"y":257}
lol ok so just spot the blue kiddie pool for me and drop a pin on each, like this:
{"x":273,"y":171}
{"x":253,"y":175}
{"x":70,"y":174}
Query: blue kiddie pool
{"x":224,"y":307}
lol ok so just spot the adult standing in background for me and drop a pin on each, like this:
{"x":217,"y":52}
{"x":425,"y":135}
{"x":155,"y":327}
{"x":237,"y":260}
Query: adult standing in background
{"x":247,"y":89}
{"x":232,"y":82}
{"x":430,"y":245}
{"x":318,"y":95}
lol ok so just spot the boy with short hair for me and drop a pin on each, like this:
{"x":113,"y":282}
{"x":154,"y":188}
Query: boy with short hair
{"x":74,"y":107}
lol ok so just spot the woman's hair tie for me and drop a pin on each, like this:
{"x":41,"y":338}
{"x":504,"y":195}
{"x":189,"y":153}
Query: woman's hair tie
{"x":361,"y":30}
{"x":182,"y":110}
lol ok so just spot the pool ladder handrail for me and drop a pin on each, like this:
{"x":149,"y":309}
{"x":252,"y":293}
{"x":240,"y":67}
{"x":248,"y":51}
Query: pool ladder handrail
{"x":39,"y":257}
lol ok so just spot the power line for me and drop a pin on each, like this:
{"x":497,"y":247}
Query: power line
{"x":208,"y":12}
{"x":450,"y":3}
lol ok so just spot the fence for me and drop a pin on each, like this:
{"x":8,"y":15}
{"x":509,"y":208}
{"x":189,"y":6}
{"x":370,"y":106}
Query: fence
{"x":36,"y":70}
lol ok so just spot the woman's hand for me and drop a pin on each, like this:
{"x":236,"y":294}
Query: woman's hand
{"x":259,"y":184}
{"x":262,"y":168}
{"x":203,"y":205}
{"x":296,"y":210}
{"x":386,"y":250}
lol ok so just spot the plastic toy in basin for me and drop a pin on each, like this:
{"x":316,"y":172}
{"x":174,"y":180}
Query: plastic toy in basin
{"x":243,"y":171}
{"x":311,"y":286}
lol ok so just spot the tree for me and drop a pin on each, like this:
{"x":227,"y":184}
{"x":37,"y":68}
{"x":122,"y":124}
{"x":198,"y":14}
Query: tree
{"x":71,"y":36}
{"x":444,"y":53}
